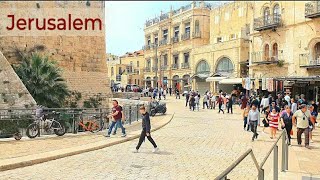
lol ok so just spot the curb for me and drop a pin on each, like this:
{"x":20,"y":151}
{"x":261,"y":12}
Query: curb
{"x":54,"y":157}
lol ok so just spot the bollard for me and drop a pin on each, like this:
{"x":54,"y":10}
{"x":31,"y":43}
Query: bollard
{"x":275,"y":163}
{"x":74,"y":123}
{"x":130,"y":114}
{"x":261,"y":174}
{"x":100,"y":112}
{"x":137,"y":112}
{"x":283,"y":158}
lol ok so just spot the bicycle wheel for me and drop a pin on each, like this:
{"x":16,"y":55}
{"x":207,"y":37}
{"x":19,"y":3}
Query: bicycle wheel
{"x":61,"y":129}
{"x":96,"y":126}
{"x":33,"y":130}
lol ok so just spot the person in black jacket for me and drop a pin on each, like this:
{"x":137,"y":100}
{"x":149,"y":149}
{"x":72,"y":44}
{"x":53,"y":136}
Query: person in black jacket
{"x":146,"y":127}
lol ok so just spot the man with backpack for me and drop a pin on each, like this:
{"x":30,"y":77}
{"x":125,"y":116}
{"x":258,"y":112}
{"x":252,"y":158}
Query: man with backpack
{"x":117,"y":117}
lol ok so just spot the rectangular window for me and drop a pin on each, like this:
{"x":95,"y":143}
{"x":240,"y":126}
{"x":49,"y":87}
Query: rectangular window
{"x":176,"y":31}
{"x":137,"y":63}
{"x":156,"y":39}
{"x":219,"y":39}
{"x":165,"y":34}
{"x":187,"y":28}
{"x":226,"y":16}
{"x":216,"y":19}
{"x":176,"y":59}
{"x":135,"y":81}
{"x":138,"y":81}
{"x":148,"y":63}
{"x":165,"y":60}
{"x":148,"y":40}
{"x":120,"y":70}
{"x":186,"y":57}
{"x":240,"y":13}
{"x":112,"y":71}
{"x":233,"y":36}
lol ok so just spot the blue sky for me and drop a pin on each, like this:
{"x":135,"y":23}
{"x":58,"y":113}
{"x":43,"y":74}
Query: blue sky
{"x":125,"y":22}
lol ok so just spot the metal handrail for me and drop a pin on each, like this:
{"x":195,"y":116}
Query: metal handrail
{"x":224,"y":174}
{"x":284,"y":165}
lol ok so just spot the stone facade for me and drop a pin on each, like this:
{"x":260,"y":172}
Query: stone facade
{"x":130,"y":66}
{"x":171,"y":38}
{"x":81,"y":57}
{"x":13,"y":93}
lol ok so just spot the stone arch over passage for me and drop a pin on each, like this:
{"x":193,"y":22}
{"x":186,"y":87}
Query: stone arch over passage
{"x":225,"y":66}
{"x":203,"y":67}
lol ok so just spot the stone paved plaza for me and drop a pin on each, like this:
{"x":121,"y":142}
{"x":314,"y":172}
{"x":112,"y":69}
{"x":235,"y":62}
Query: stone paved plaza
{"x":194,"y":145}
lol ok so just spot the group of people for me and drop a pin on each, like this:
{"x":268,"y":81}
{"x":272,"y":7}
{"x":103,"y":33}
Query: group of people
{"x":210,"y":100}
{"x":281,"y":112}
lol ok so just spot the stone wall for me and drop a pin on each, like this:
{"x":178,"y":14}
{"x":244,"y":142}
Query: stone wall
{"x":13,"y":93}
{"x":82,"y":58}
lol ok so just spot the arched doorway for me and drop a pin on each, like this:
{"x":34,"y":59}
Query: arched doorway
{"x":225,"y":68}
{"x":186,"y":82}
{"x":175,"y":82}
{"x":155,"y":82}
{"x":316,"y":53}
{"x":201,"y":74}
{"x":148,"y":82}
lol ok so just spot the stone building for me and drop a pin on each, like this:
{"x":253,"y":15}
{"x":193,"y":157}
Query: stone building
{"x":127,"y":69}
{"x":81,"y":56}
{"x":286,"y":46}
{"x":169,"y":43}
{"x":221,"y":64}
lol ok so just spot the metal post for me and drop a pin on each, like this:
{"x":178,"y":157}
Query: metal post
{"x":100,"y":112}
{"x":130,"y":114}
{"x":275,"y":163}
{"x":137,"y":112}
{"x":283,"y":158}
{"x":74,"y":123}
{"x":261,"y":174}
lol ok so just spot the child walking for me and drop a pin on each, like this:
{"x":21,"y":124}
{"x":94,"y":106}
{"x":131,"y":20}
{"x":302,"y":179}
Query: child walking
{"x":146,"y":127}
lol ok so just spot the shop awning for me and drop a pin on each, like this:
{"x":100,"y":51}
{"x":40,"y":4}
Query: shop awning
{"x":202,"y":76}
{"x":212,"y":79}
{"x":231,"y":81}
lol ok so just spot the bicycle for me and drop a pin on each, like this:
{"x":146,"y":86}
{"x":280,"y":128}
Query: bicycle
{"x":92,"y":124}
{"x":49,"y":125}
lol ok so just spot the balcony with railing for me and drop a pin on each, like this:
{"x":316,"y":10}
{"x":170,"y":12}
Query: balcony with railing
{"x":175,"y":39}
{"x":185,"y":66}
{"x":174,"y":66}
{"x":260,"y":57}
{"x":147,"y":69}
{"x":136,"y":71}
{"x":308,"y":61}
{"x":185,"y":36}
{"x":267,"y":22}
{"x":312,"y":9}
{"x":196,"y":34}
{"x":164,"y":67}
{"x":154,"y":68}
{"x":163,"y":42}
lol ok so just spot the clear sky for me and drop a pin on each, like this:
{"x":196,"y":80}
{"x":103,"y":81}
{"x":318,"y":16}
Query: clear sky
{"x":125,"y":22}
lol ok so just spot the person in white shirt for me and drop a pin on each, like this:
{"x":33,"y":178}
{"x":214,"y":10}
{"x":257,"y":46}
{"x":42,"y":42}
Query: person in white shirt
{"x":197,"y":100}
{"x":294,"y":106}
{"x":213,"y":100}
{"x":287,"y":98}
{"x":264,"y":103}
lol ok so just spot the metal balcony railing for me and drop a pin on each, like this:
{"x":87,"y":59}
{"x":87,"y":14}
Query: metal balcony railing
{"x":185,"y":36}
{"x":174,"y":66}
{"x":136,"y":71}
{"x":196,"y":34}
{"x":260,"y":57}
{"x":164,"y":67}
{"x":175,"y":39}
{"x":312,"y":9}
{"x":163,"y":42}
{"x":155,"y":68}
{"x":185,"y":66}
{"x":147,"y":69}
{"x":308,"y":61}
{"x":267,"y":22}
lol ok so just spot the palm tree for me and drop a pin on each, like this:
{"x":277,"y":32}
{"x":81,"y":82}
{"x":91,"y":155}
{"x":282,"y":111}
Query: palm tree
{"x":43,"y":80}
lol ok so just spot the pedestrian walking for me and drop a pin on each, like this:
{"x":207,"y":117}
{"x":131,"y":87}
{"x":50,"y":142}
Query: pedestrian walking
{"x":197,"y":102}
{"x":230,"y":104}
{"x":286,"y":122}
{"x":213,"y":101}
{"x":177,"y":94}
{"x":117,"y":116}
{"x":192,"y":103}
{"x":312,"y":121}
{"x":220,"y":101}
{"x":245,"y":117}
{"x":273,"y":123}
{"x":265,"y":120}
{"x":300,"y":119}
{"x":146,"y":131}
{"x":294,"y":106}
{"x":253,"y":118}
{"x":164,"y":94}
{"x":205,"y":101}
{"x":170,"y":90}
{"x":187,"y":98}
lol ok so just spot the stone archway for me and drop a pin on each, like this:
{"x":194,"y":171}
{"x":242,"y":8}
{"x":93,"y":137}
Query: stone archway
{"x":201,"y":74}
{"x":225,"y":67}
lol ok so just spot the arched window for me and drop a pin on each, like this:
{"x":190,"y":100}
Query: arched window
{"x":196,"y":26}
{"x":203,"y":67}
{"x":317,"y":51}
{"x":276,"y":13}
{"x":275,"y":51}
{"x":224,"y":66}
{"x":266,"y":16}
{"x":266,"y":52}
